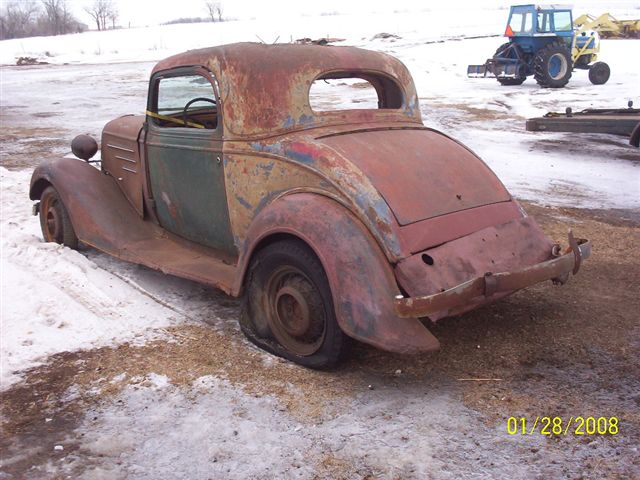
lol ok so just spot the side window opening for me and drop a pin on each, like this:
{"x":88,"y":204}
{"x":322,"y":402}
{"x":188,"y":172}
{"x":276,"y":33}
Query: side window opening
{"x":562,"y":21}
{"x":186,"y":101}
{"x":337,"y":91}
{"x":528,"y":23}
{"x":544,"y":24}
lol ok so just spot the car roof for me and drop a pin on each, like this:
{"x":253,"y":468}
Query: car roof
{"x":266,"y":87}
{"x":251,"y":56}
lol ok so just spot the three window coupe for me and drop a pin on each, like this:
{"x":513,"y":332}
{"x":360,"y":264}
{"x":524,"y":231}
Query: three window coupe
{"x":356,"y":222}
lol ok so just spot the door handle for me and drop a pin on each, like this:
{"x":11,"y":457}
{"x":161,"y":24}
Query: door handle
{"x":218,"y":160}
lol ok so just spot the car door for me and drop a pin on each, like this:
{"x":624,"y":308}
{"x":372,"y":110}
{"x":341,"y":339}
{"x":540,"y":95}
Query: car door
{"x":184,"y":157}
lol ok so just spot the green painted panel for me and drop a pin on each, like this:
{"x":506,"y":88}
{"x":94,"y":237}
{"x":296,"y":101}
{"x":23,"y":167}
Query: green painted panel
{"x":188,"y":188}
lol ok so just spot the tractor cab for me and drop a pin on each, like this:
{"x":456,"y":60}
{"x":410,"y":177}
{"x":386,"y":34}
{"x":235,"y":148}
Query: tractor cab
{"x":539,"y":20}
{"x":533,"y":26}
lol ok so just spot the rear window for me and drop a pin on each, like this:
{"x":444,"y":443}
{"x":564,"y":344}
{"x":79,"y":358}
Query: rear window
{"x":354,"y":91}
{"x":521,"y":22}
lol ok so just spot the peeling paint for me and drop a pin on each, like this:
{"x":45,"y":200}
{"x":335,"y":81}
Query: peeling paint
{"x":244,"y":203}
{"x":306,"y":120}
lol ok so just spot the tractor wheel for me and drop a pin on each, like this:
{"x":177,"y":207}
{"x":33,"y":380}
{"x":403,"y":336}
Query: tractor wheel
{"x":599,"y":73}
{"x":288,"y":307}
{"x":509,"y":50}
{"x":552,"y":66}
{"x":54,"y":220}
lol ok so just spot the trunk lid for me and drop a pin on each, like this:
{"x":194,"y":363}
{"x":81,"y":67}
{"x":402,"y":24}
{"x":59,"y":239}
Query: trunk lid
{"x":420,"y":173}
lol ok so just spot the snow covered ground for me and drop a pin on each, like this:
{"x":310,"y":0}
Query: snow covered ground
{"x":55,"y":299}
{"x":380,"y":434}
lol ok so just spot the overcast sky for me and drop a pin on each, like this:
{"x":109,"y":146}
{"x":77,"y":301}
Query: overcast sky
{"x":151,"y":12}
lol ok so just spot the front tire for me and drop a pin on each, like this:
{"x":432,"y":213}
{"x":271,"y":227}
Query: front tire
{"x":288,"y":307}
{"x":552,"y":66}
{"x":599,"y":73}
{"x":54,"y":220}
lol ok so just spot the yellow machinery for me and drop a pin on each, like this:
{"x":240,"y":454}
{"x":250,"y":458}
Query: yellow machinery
{"x":608,"y":26}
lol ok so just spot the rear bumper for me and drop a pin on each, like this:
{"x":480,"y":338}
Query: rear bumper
{"x":494,"y":284}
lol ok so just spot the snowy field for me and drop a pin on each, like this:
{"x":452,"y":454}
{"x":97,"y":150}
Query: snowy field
{"x":588,"y":171}
{"x":57,"y":300}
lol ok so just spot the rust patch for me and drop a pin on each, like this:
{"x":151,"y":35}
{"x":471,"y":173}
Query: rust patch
{"x":264,"y":88}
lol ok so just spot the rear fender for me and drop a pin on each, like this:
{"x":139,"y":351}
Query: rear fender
{"x":362,"y":282}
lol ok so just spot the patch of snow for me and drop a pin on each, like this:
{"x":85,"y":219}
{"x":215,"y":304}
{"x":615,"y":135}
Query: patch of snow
{"x":157,"y":381}
{"x":118,"y":378}
{"x":215,"y":430}
{"x":55,"y":299}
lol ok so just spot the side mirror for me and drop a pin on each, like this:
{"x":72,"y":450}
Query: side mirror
{"x":84,"y":147}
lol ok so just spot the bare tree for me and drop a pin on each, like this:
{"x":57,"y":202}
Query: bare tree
{"x":214,"y":9}
{"x":18,"y":19}
{"x":57,"y":19}
{"x":27,"y":18}
{"x":113,"y":16}
{"x":95,"y":12}
{"x":100,"y":11}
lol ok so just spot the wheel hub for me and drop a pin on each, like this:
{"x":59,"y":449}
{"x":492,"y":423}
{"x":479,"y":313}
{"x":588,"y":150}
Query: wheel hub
{"x":52,"y":223}
{"x":292,"y":311}
{"x":557,"y":66}
{"x":295,"y":311}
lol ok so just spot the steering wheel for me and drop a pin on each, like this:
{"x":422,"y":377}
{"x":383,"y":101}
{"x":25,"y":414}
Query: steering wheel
{"x":192,"y":101}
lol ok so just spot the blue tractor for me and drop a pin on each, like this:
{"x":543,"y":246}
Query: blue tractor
{"x":543,"y":43}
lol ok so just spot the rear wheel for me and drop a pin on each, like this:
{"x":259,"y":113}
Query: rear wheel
{"x":54,"y":220}
{"x":288,"y":307}
{"x":510,"y":50}
{"x":552,"y":66}
{"x":599,"y":73}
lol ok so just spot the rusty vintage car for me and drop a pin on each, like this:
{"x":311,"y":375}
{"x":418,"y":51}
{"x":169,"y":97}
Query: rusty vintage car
{"x":354,"y":223}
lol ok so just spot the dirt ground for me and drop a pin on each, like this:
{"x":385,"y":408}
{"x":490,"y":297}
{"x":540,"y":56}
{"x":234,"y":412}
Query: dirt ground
{"x":557,"y":351}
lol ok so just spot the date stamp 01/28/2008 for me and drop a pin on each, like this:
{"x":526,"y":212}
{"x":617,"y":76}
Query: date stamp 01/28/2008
{"x":563,"y":426}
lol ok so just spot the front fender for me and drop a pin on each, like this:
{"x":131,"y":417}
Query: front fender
{"x":100,"y":214}
{"x":64,"y":174}
{"x":362,"y":282}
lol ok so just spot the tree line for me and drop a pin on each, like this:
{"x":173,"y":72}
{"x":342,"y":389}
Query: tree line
{"x":32,"y":18}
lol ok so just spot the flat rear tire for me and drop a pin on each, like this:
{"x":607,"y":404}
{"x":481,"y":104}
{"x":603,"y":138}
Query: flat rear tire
{"x":288,"y":307}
